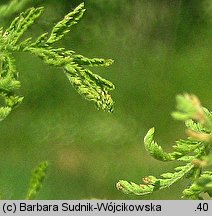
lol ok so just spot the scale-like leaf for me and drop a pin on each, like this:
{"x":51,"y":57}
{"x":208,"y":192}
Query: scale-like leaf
{"x":154,"y":149}
{"x":91,"y":87}
{"x":21,"y":24}
{"x":4,"y":112}
{"x":64,"y":26}
{"x":156,"y":184}
{"x":81,"y":60}
{"x":38,"y":176}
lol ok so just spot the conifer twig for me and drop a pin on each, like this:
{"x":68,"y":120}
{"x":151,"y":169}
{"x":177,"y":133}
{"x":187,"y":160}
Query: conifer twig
{"x":194,"y":152}
{"x":88,"y":84}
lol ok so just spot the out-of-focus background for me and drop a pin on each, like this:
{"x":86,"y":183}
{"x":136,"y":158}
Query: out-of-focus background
{"x":161,"y":48}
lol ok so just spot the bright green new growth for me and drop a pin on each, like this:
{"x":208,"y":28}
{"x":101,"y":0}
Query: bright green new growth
{"x":195,"y":152}
{"x":91,"y":86}
{"x":38,"y":177}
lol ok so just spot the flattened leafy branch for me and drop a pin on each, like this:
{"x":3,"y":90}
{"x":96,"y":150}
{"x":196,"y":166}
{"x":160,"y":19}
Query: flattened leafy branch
{"x":195,"y":152}
{"x":91,"y":86}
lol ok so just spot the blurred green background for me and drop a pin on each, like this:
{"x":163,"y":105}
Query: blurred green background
{"x":161,"y":48}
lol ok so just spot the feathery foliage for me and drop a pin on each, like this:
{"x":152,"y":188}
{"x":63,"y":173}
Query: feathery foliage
{"x":91,"y":86}
{"x":195,"y":152}
{"x":38,"y":177}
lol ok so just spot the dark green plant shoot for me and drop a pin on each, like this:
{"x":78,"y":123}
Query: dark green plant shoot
{"x":194,"y":152}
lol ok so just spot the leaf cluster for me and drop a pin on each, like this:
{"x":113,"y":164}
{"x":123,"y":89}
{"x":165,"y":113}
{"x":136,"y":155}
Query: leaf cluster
{"x":194,"y":152}
{"x":75,"y":66}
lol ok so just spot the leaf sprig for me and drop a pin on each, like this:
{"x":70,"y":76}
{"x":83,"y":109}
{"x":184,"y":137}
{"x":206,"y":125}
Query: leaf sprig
{"x":37,"y":179}
{"x":194,"y":152}
{"x":91,"y":86}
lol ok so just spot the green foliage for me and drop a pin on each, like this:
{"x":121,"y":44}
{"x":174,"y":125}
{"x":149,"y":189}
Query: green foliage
{"x":91,"y":86}
{"x":63,"y":27}
{"x":37,"y":180}
{"x":194,"y":152}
